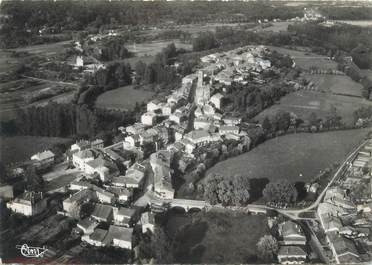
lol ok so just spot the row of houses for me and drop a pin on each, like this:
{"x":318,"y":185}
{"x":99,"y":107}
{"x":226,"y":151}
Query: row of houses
{"x":292,"y":241}
{"x":339,"y":220}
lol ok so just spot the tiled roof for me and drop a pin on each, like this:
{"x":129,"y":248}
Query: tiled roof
{"x":291,"y":251}
{"x":120,"y":233}
{"x":102,"y":211}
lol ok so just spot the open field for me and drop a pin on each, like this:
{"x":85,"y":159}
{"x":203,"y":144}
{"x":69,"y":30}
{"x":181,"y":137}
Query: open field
{"x":306,"y":59}
{"x":22,"y":92}
{"x":146,"y":51}
{"x":295,"y":157}
{"x":218,"y":237}
{"x":7,"y":62}
{"x":45,"y":49}
{"x":362,"y":23}
{"x":302,"y":103}
{"x":278,"y":26}
{"x":336,"y":84}
{"x":20,"y":148}
{"x":154,"y":47}
{"x":123,"y":98}
{"x":367,"y":73}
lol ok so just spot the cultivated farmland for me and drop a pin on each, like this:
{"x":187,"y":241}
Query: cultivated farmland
{"x":336,"y":84}
{"x":306,"y":59}
{"x":302,"y":103}
{"x":123,"y":98}
{"x":295,"y":157}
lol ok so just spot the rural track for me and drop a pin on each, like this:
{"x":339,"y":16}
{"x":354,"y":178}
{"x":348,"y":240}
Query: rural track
{"x":50,"y":81}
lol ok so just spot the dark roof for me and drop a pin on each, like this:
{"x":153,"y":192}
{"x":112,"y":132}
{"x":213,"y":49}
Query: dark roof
{"x":85,"y":223}
{"x":98,"y":235}
{"x":291,"y":251}
{"x":102,"y":211}
{"x":126,"y":212}
{"x":120,"y":233}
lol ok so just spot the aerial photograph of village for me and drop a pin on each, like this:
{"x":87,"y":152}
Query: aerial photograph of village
{"x":185,"y":132}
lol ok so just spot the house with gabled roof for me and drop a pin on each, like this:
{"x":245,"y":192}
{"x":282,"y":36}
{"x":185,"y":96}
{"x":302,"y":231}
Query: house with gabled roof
{"x":291,"y":255}
{"x":102,"y":213}
{"x":125,"y":216}
{"x":120,"y":236}
{"x":87,"y":225}
{"x":98,"y":238}
{"x":43,"y":159}
{"x":291,"y":233}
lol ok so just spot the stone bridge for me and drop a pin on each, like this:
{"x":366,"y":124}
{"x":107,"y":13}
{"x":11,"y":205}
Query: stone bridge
{"x":188,"y":204}
{"x":184,"y":204}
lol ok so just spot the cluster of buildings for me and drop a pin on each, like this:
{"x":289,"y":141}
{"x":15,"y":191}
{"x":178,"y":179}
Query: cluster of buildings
{"x":238,"y":65}
{"x":346,"y":215}
{"x":292,"y":243}
{"x":114,"y":178}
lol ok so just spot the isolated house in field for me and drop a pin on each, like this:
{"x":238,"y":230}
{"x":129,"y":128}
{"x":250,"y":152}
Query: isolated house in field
{"x":292,"y":233}
{"x":291,"y":255}
{"x":79,"y":61}
{"x":43,"y":159}
{"x":28,"y":204}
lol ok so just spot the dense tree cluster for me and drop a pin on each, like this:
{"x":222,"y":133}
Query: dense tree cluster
{"x":352,"y":39}
{"x":204,"y":41}
{"x":63,"y":120}
{"x":23,"y":20}
{"x":280,"y":192}
{"x":267,"y":248}
{"x":362,"y":113}
{"x":347,"y":13}
{"x":251,"y":99}
{"x":159,"y":71}
{"x":113,"y":49}
{"x":113,"y":76}
{"x":228,"y":190}
{"x":34,"y":181}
